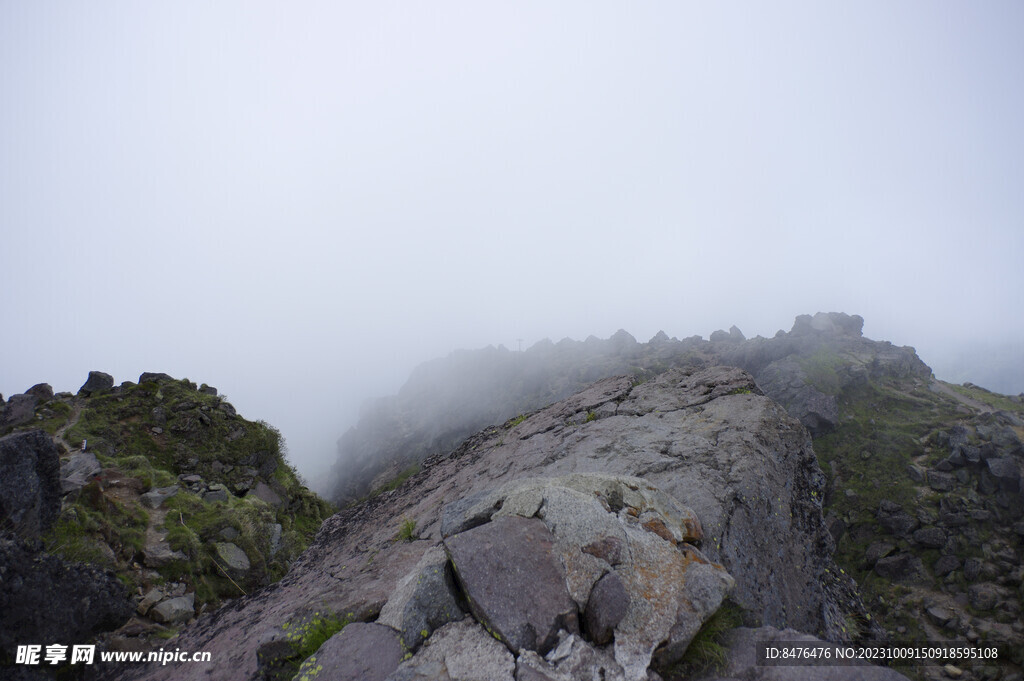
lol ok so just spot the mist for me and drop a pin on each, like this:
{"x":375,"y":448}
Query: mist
{"x":300,"y":204}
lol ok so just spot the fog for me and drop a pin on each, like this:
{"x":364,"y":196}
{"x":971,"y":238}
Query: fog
{"x":298,"y":203}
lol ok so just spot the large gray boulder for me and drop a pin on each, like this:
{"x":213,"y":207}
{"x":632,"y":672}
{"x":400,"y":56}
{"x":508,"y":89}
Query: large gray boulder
{"x":158,"y":495}
{"x":29,"y":483}
{"x":233,"y":559}
{"x":20,"y":409}
{"x":359,"y":652}
{"x":41,"y":391}
{"x":96,"y":383}
{"x":78,"y":470}
{"x":174,"y":610}
{"x":424,"y":600}
{"x":513,"y":582}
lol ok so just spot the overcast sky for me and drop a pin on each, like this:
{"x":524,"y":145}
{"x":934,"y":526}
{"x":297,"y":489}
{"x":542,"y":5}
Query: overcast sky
{"x":298,"y":202}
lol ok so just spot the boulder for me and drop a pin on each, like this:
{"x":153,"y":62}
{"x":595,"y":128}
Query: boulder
{"x":174,"y":610}
{"x":275,"y":538}
{"x":941,"y":482}
{"x":41,"y":391}
{"x":972,"y":569}
{"x":459,"y":651}
{"x":159,"y":554}
{"x":893,"y":518}
{"x":901,"y":567}
{"x":147,"y":376}
{"x":946,"y":564}
{"x":930,"y":537}
{"x":78,"y":470}
{"x":151,"y":598}
{"x":1005,"y":471}
{"x":233,"y":559}
{"x":360,"y":652}
{"x":96,"y":383}
{"x":156,"y":497}
{"x":939,"y":615}
{"x":29,"y":483}
{"x":425,"y":600}
{"x":877,"y":550}
{"x":513,"y":582}
{"x":20,"y":409}
{"x":263,"y":492}
{"x":47,"y":600}
{"x":217,"y":492}
{"x":983,"y":596}
{"x":606,"y":607}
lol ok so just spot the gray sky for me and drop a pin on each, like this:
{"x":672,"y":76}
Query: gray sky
{"x":298,"y":202}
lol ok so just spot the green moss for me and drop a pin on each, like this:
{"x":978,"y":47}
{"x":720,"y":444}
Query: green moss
{"x":306,"y":635}
{"x":591,"y":416}
{"x":512,"y":423}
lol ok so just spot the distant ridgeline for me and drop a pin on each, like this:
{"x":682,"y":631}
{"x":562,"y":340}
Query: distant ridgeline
{"x":160,"y":482}
{"x":446,"y":400}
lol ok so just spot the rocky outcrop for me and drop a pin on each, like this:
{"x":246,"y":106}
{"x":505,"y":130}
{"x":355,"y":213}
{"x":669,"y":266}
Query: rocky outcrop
{"x":19,"y":410}
{"x":657,"y":588}
{"x":683,"y":488}
{"x":165,"y":509}
{"x":97,"y":382}
{"x":46,"y":599}
{"x":29,"y":483}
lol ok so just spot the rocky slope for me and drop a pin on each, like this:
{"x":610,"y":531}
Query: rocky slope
{"x":923,"y":479}
{"x":594,"y":538}
{"x":160,"y":484}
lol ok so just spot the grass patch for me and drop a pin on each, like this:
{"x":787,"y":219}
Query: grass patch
{"x":820,"y":371}
{"x":407,"y":531}
{"x":994,"y":400}
{"x":306,"y":636}
{"x":707,"y":650}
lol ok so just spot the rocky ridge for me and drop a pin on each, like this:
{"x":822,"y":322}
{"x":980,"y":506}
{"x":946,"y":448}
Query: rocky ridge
{"x":591,"y":539}
{"x":922,"y":478}
{"x":446,"y":400}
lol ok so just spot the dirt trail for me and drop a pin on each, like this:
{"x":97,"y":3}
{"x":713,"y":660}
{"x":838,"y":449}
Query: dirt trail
{"x":944,"y":389}
{"x":76,"y":412}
